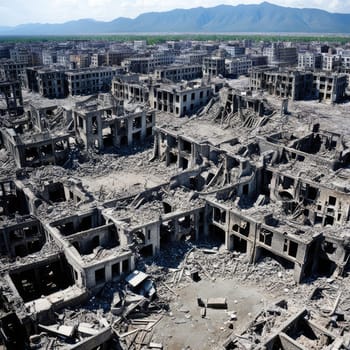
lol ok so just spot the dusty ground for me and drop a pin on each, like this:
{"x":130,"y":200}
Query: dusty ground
{"x":110,"y":175}
{"x":199,"y":333}
{"x":119,"y":181}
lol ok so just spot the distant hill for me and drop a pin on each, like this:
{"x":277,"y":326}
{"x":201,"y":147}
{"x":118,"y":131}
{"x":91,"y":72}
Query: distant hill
{"x":262,"y":18}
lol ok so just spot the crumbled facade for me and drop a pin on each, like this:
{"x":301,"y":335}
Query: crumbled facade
{"x":178,"y":73}
{"x":299,"y":85}
{"x":125,"y":227}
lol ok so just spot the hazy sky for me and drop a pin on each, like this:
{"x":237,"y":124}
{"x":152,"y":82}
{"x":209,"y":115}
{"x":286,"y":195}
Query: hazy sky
{"x":15,"y":12}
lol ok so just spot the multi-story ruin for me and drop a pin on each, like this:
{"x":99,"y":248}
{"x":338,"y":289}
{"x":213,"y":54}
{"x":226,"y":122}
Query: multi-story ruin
{"x":102,"y":123}
{"x":300,"y":85}
{"x":131,"y":219}
{"x":177,"y":73}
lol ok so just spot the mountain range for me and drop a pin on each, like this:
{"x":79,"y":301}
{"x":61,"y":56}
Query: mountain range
{"x":262,"y":18}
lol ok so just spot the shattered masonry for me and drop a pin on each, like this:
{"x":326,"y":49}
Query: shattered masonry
{"x":257,"y":181}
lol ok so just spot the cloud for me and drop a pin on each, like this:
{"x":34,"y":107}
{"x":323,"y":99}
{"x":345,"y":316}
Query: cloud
{"x":54,"y":11}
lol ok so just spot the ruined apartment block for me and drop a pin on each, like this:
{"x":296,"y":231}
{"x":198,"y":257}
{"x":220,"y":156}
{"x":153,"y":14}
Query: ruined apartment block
{"x":237,"y":190}
{"x":104,"y":123}
{"x":300,"y":85}
{"x":11,"y":94}
{"x":178,"y":73}
{"x":284,"y":214}
{"x":180,"y":99}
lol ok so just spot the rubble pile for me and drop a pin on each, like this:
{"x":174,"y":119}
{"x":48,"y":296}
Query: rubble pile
{"x":130,"y":222}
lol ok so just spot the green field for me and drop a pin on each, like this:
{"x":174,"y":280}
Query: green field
{"x":157,"y":39}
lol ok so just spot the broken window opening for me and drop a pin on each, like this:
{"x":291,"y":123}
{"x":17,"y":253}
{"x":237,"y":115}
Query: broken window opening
{"x":332,"y":200}
{"x":146,"y":251}
{"x":183,"y":163}
{"x":329,"y":220}
{"x":290,"y":247}
{"x":56,"y":193}
{"x":186,"y":146}
{"x":266,"y":237}
{"x":100,"y":276}
{"x":167,"y":208}
{"x":217,"y":234}
{"x":166,"y":233}
{"x":244,"y":229}
{"x":125,"y":266}
{"x":116,"y":270}
{"x":287,"y":182}
{"x":209,"y":178}
{"x":239,"y":244}
{"x":108,"y":137}
{"x":312,"y":193}
{"x":139,"y":238}
{"x":94,"y":125}
{"x":172,"y":158}
{"x":137,"y":123}
{"x":124,"y":141}
{"x":136,"y":137}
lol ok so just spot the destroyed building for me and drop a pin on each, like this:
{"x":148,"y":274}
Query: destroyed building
{"x":131,"y":88}
{"x":11,"y":98}
{"x":59,"y":82}
{"x":300,"y":85}
{"x":180,"y":99}
{"x":251,"y":174}
{"x":114,"y":211}
{"x":177,"y":73}
{"x":103,"y":123}
{"x":47,"y":82}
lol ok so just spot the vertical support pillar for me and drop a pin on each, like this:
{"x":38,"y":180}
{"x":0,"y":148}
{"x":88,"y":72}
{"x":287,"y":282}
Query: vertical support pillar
{"x":129,"y":130}
{"x":143,"y":125}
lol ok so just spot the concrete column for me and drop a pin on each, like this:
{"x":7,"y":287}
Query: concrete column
{"x":206,"y":221}
{"x":99,"y":132}
{"x":250,"y":250}
{"x":123,"y":238}
{"x":178,"y":153}
{"x":227,"y":233}
{"x":108,"y":272}
{"x":129,"y":131}
{"x":132,"y":263}
{"x":193,"y":158}
{"x":156,"y":246}
{"x":143,"y":125}
{"x":156,"y":146}
{"x":256,"y":255}
{"x":196,"y":225}
{"x":298,"y":272}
